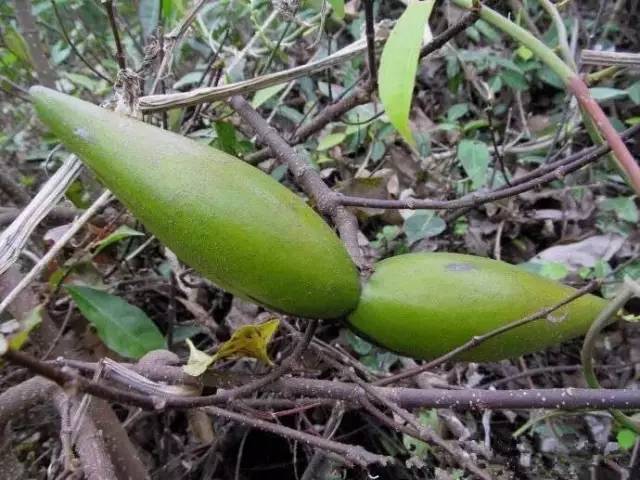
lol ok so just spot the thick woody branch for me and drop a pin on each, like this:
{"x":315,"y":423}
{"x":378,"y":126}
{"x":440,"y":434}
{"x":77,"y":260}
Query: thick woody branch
{"x":90,"y":444}
{"x":408,"y":398}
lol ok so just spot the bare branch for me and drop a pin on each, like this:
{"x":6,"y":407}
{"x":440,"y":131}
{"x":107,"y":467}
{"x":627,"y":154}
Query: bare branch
{"x":409,"y":398}
{"x":120,"y":57}
{"x":540,"y":176}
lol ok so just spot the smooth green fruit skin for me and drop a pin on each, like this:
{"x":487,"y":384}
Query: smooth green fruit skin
{"x":228,"y":220}
{"x":423,"y":305}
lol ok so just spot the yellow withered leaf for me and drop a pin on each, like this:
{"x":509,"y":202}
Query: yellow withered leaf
{"x":247,"y":341}
{"x":198,"y":361}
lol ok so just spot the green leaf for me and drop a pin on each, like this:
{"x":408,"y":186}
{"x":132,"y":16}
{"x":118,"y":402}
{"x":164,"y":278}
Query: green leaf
{"x":603,"y":94}
{"x":624,"y":207}
{"x":123,"y":327}
{"x":554,"y":270}
{"x":338,"y":8}
{"x":16,"y":43}
{"x":226,"y":140}
{"x":457,"y":111}
{"x":550,"y":77}
{"x":120,"y":233}
{"x":82,"y":81}
{"x":524,"y":53}
{"x":418,"y":448}
{"x":261,"y":96}
{"x":487,"y":30}
{"x":331,"y":140}
{"x":424,"y":224}
{"x":31,"y":321}
{"x":474,"y":158}
{"x":399,"y":63}
{"x":626,"y":439}
{"x":149,"y":15}
{"x":634,"y":92}
{"x":358,"y":344}
{"x":514,"y":80}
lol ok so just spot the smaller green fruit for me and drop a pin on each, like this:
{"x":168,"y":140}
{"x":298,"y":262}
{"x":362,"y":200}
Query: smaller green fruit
{"x":424,"y":305}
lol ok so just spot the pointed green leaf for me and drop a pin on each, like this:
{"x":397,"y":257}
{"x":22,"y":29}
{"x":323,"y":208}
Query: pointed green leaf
{"x":603,"y":94}
{"x":16,"y":43}
{"x":123,"y":327}
{"x":634,"y":92}
{"x":474,"y":157}
{"x":120,"y":233}
{"x":399,"y":63}
{"x":425,"y":224}
{"x":261,"y":96}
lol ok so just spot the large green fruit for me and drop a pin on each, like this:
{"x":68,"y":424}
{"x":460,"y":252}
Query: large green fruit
{"x":425,"y":304}
{"x":230,"y":221}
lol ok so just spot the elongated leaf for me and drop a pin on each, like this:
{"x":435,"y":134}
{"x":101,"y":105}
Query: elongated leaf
{"x":17,"y":44}
{"x":603,"y":94}
{"x":474,"y":157}
{"x":120,"y":233}
{"x":634,"y":92}
{"x":399,"y":63}
{"x":123,"y":327}
{"x":265,"y":94}
{"x":423,"y":224}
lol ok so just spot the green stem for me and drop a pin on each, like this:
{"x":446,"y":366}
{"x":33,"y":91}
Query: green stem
{"x":586,"y":354}
{"x":563,"y":41}
{"x":592,"y":113}
{"x":523,"y":36}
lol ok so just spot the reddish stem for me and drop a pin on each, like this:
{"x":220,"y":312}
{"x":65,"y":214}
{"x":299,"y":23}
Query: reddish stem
{"x":620,"y":151}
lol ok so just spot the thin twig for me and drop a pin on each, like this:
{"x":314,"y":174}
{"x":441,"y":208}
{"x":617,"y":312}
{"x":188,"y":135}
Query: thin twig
{"x":354,"y":454}
{"x":629,"y":290}
{"x":72,"y":45}
{"x":370,"y":36}
{"x":475,"y":341}
{"x":152,"y":103}
{"x":544,"y":174}
{"x":55,"y":249}
{"x":120,"y":57}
